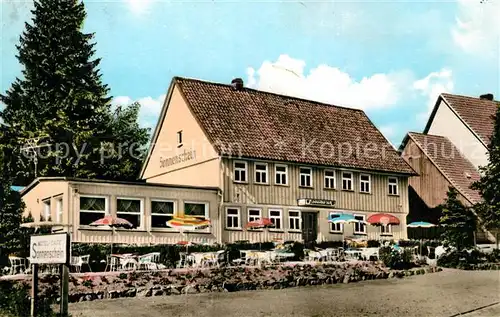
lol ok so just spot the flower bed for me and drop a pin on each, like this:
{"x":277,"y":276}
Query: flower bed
{"x":175,"y":282}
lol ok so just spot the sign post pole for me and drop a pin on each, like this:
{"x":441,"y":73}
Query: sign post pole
{"x":64,"y":289}
{"x":34,"y":290}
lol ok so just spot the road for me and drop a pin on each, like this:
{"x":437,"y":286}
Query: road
{"x":447,"y":293}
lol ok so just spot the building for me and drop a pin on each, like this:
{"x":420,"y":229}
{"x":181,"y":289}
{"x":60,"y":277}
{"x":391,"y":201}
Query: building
{"x":449,"y":152}
{"x":247,"y":154}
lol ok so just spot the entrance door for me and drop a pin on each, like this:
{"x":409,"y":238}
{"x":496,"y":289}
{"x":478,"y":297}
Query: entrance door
{"x":309,"y":228}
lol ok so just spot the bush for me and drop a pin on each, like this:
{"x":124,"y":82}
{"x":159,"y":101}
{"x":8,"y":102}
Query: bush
{"x":461,"y":259}
{"x":373,"y":244}
{"x":395,"y":259}
{"x":494,"y":256}
{"x":15,"y":301}
{"x":330,"y":244}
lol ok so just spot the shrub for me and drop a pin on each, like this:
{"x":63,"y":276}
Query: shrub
{"x":461,"y":259}
{"x":15,"y":301}
{"x":395,"y":259}
{"x":494,"y":256}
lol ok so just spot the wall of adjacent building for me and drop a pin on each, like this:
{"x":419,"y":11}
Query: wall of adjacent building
{"x":431,"y":185}
{"x":47,"y":191}
{"x":446,"y":123}
{"x":194,"y":162}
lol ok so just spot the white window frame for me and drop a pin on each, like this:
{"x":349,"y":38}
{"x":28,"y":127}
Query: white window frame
{"x":394,"y":185}
{"x":386,"y":230}
{"x":261,"y":172}
{"x":299,"y":218}
{"x":237,"y":216}
{"x":141,"y":211}
{"x":59,"y":209}
{"x":364,"y":232}
{"x":328,"y":179}
{"x":207,"y":206}
{"x":276,"y":217}
{"x":306,"y":175}
{"x":47,"y":206}
{"x":280,"y":173}
{"x":361,"y":182}
{"x":253,"y":218}
{"x":351,"y":179}
{"x":239,"y":170}
{"x":174,"y":212}
{"x":106,"y":207}
{"x":337,"y":225}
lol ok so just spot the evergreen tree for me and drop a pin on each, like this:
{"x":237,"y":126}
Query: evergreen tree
{"x":458,"y":221}
{"x":62,"y":99}
{"x":11,"y":205}
{"x":489,"y":184}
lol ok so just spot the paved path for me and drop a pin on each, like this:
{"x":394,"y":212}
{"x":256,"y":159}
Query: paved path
{"x":448,"y":293}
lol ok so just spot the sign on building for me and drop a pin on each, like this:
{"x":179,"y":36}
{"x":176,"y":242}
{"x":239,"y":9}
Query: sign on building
{"x":316,"y":202}
{"x":50,"y":249}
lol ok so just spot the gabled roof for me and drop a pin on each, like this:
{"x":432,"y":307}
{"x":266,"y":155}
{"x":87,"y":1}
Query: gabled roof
{"x":476,"y":113}
{"x":255,"y":124}
{"x":459,"y":171}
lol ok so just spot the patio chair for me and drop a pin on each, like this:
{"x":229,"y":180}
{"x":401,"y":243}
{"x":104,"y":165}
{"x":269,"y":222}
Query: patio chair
{"x":112,"y":264}
{"x":17,"y":265}
{"x":77,"y":262}
{"x":242,"y":259}
{"x":182,"y":263}
{"x":149,"y":261}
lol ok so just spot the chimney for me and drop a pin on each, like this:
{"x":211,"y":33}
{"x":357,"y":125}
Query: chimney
{"x":237,"y":84}
{"x":486,"y":97}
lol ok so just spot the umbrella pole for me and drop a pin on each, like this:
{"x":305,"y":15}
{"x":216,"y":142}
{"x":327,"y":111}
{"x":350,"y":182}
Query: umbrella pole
{"x":112,"y":238}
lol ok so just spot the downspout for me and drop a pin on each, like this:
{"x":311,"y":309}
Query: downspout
{"x":220,"y":193}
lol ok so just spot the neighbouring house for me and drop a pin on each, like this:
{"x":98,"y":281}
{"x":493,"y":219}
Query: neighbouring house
{"x":449,"y":152}
{"x":233,"y":155}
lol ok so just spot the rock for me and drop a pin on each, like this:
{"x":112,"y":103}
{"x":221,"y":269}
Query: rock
{"x":190,"y":289}
{"x":175,"y":290}
{"x":131,"y":292}
{"x":346,"y":279}
{"x":88,"y":298}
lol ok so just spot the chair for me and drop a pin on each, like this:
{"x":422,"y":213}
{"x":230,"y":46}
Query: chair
{"x":78,"y":261}
{"x":149,"y":261}
{"x":17,"y":265}
{"x":242,"y":259}
{"x":112,"y":263}
{"x":182,"y":263}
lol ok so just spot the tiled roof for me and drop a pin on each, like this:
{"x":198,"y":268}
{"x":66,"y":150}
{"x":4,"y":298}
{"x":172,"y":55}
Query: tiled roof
{"x":262,"y":125}
{"x":477,"y":113}
{"x":459,"y":171}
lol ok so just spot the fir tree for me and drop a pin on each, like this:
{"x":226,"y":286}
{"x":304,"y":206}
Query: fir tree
{"x":489,"y":184}
{"x":61,"y":98}
{"x":458,"y":221}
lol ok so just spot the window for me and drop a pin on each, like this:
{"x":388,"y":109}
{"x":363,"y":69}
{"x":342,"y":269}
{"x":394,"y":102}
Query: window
{"x":360,"y":227}
{"x":365,"y":183}
{"x":254,"y":214}
{"x":386,"y":230}
{"x":131,"y":210}
{"x":275,"y":217}
{"x":261,"y":173}
{"x":346,"y":181}
{"x":196,"y":209}
{"x":393,"y":186}
{"x":240,"y":172}
{"x":336,"y":227}
{"x":305,"y":177}
{"x":46,"y":211}
{"x":329,"y":179}
{"x":281,"y":174}
{"x":92,"y":209}
{"x":294,"y":220}
{"x":59,"y":210}
{"x":233,"y":218}
{"x":179,"y":138}
{"x":161,"y":212}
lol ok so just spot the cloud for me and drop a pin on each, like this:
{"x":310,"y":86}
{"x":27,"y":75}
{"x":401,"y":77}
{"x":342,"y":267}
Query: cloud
{"x":327,"y":84}
{"x":477,"y":28}
{"x":150,"y":108}
{"x":431,"y":86}
{"x":138,"y":6}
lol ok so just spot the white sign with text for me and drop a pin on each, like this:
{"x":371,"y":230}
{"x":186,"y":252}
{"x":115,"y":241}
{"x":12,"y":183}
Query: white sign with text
{"x":49,"y":249}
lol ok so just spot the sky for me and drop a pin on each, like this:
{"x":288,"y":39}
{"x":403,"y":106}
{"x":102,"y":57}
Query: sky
{"x":390,"y":58}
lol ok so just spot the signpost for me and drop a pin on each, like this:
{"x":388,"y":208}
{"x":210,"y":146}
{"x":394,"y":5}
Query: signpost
{"x":50,"y":249}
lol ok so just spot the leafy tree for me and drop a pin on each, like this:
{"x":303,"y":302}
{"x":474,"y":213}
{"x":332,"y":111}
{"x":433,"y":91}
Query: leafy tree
{"x":489,"y":184}
{"x":458,"y":221}
{"x":62,"y":99}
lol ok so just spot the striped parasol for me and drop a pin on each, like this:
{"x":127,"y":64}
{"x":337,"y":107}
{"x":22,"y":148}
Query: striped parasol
{"x":112,"y":222}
